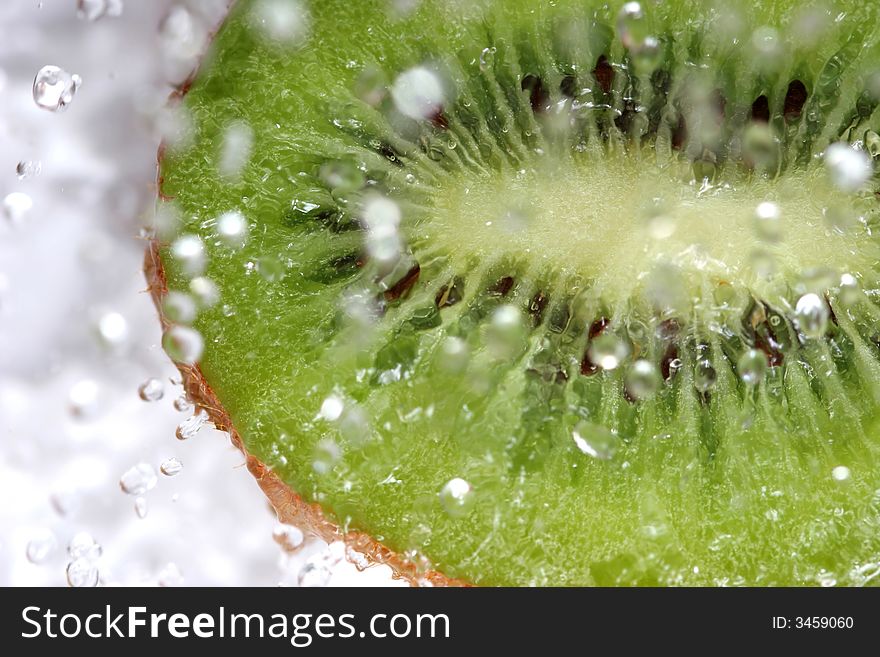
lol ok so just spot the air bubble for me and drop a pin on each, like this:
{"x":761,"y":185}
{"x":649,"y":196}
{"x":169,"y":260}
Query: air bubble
{"x":454,"y":355}
{"x":41,"y":546}
{"x":171,"y":467}
{"x":28,"y":169}
{"x":16,"y":206}
{"x":183,"y":345}
{"x":170,"y":576}
{"x":205,"y":291}
{"x":84,"y":546}
{"x":179,"y":307}
{"x":93,"y":10}
{"x":151,"y":390}
{"x":232,"y":228}
{"x":270,"y":269}
{"x":850,"y":291}
{"x":487,"y":58}
{"x":189,"y":252}
{"x":182,"y":404}
{"x":331,"y":408}
{"x":595,"y":440}
{"x":290,"y":538}
{"x":457,"y":497}
{"x":191,"y":425}
{"x":848,"y":168}
{"x":54,"y":88}
{"x":113,"y":329}
{"x":342,"y":177}
{"x":418,"y":93}
{"x":283,"y":21}
{"x":632,"y":27}
{"x":506,"y":330}
{"x":752,"y":366}
{"x":326,"y":456}
{"x":138,"y":479}
{"x":238,"y":142}
{"x":82,"y":573}
{"x":316,"y":572}
{"x":768,"y":221}
{"x":607,"y":351}
{"x":141,"y":508}
{"x":83,"y":398}
{"x":705,"y":376}
{"x":642,"y":379}
{"x":840,"y":473}
{"x":811,"y":315}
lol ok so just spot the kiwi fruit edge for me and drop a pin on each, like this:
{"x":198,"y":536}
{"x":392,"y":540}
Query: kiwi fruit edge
{"x":292,"y":507}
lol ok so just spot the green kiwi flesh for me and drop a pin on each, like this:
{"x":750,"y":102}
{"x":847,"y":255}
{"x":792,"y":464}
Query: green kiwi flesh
{"x":582,"y":364}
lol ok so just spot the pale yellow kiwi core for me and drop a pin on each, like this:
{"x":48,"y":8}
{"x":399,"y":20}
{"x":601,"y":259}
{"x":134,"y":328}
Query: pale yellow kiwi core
{"x":613,"y":219}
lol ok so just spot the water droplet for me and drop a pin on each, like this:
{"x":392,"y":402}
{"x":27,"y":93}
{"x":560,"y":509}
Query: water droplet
{"x":271,"y":269}
{"x":138,"y":479}
{"x":83,"y":398}
{"x":290,"y":538}
{"x":232,"y":229}
{"x":457,"y":497}
{"x":28,"y":169}
{"x":151,"y":390}
{"x":16,"y":206}
{"x":189,"y":252}
{"x":82,"y":573}
{"x":840,"y":473}
{"x":331,"y":408}
{"x":54,"y":88}
{"x":661,"y":226}
{"x":811,"y":315}
{"x":171,"y":467}
{"x":642,"y":379}
{"x":487,"y":58}
{"x":170,"y":576}
{"x":65,"y":501}
{"x":608,"y":350}
{"x":848,"y":168}
{"x":184,"y":345}
{"x":83,"y":546}
{"x":42,"y":544}
{"x":191,"y":425}
{"x":418,"y":93}
{"x":752,"y":366}
{"x":326,"y":456}
{"x":179,"y":307}
{"x":182,"y":404}
{"x":595,"y":440}
{"x":705,"y":376}
{"x":850,"y":291}
{"x":205,"y":291}
{"x":354,"y":425}
{"x":113,"y":329}
{"x":370,"y":86}
{"x":140,"y":507}
{"x":283,"y":21}
{"x":93,"y":10}
{"x":454,"y":355}
{"x":767,"y":45}
{"x":768,"y":221}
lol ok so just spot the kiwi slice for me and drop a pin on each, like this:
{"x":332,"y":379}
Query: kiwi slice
{"x":560,"y":293}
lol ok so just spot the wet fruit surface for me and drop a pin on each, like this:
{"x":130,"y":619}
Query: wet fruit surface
{"x":546,"y":295}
